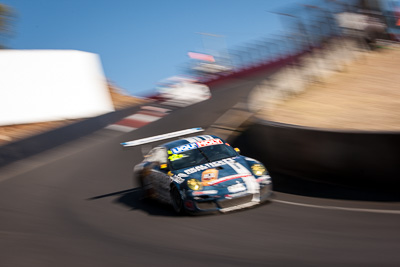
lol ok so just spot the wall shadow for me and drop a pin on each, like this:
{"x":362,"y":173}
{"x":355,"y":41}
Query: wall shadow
{"x":309,"y":188}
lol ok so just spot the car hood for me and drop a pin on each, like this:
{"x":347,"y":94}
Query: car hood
{"x":219,"y":173}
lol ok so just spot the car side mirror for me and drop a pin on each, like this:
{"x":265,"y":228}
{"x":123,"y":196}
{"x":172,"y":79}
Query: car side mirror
{"x":237,"y":150}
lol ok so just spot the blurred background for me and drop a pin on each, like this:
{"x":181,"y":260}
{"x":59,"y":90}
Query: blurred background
{"x":160,"y":50}
{"x":141,"y":43}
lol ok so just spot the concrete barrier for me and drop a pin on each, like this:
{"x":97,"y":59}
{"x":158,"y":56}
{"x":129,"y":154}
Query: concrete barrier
{"x":51,"y":85}
{"x":350,"y":158}
{"x":304,"y":69}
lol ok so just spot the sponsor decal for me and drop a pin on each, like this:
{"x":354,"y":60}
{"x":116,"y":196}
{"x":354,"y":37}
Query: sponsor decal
{"x":194,"y":145}
{"x":180,"y":149}
{"x":210,"y":142}
{"x":179,"y":178}
{"x":208,"y":176}
{"x":174,"y":157}
{"x":236,"y":188}
{"x":206,"y":192}
{"x":228,"y":178}
{"x":209,"y":165}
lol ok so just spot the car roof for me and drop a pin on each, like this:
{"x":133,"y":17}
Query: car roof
{"x":188,"y":140}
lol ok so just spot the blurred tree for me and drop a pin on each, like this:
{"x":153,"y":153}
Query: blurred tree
{"x":6,"y":15}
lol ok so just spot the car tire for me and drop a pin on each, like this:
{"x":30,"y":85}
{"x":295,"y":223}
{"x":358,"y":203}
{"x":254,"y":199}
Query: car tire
{"x":146,"y":189}
{"x":176,"y":199}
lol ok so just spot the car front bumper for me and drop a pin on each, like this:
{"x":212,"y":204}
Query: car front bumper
{"x":227,"y":204}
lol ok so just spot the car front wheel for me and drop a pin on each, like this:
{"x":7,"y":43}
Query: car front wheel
{"x":177,"y":201}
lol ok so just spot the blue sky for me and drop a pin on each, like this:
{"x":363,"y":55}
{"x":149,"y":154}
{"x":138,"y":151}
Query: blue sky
{"x":141,"y":42}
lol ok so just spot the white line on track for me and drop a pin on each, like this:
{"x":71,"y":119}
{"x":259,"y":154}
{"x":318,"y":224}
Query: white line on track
{"x":337,"y":208}
{"x":120,"y":128}
{"x":158,"y":109}
{"x":143,"y":117}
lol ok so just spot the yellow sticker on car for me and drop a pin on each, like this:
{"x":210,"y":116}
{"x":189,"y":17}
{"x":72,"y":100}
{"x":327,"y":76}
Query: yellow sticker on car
{"x":174,"y":157}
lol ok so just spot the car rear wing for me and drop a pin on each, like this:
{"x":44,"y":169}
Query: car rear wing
{"x":161,"y":137}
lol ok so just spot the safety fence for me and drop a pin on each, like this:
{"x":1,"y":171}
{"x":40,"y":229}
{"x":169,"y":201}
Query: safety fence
{"x":306,"y":27}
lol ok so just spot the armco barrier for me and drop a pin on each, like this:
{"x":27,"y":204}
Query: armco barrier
{"x":42,"y":142}
{"x":351,"y":158}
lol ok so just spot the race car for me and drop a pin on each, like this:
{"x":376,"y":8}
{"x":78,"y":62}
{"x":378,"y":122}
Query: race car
{"x":182,"y":92}
{"x":200,"y":174}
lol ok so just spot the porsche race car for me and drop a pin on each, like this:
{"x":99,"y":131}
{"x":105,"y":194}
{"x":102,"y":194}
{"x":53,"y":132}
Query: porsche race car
{"x":201,"y":174}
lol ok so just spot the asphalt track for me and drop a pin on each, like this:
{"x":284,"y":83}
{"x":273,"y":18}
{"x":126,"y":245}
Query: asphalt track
{"x":76,"y":206}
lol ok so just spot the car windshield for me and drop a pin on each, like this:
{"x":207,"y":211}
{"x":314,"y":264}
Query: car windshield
{"x":196,"y":156}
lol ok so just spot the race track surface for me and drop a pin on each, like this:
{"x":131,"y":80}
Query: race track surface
{"x":76,"y":206}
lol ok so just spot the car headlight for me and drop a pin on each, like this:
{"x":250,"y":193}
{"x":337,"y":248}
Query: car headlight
{"x":258,"y":169}
{"x":194,"y":184}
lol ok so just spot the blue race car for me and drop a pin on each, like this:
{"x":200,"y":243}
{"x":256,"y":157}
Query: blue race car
{"x":201,"y":174}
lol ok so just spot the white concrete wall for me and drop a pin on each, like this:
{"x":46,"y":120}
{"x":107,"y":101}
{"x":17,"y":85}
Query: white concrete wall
{"x":48,"y":85}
